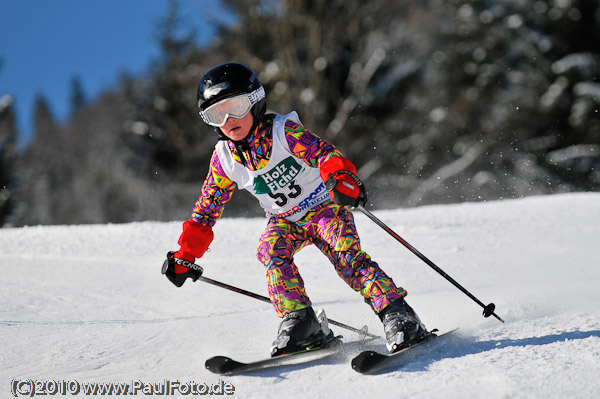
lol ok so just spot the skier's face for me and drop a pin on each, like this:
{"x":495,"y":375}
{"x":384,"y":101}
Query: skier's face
{"x":237,"y":129}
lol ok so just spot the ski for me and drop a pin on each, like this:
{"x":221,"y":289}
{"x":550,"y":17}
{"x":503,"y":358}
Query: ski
{"x":228,"y":366}
{"x":371,"y":362}
{"x":323,"y":347}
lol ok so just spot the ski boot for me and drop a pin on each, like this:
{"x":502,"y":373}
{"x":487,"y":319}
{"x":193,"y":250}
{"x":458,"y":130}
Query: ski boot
{"x":402,"y":326}
{"x":300,"y":330}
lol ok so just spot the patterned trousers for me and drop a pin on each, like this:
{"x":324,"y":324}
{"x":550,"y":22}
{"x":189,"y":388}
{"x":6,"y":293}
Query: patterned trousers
{"x":331,"y":228}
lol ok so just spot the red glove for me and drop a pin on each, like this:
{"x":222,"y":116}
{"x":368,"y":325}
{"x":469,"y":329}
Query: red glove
{"x":194,"y":241}
{"x":345,"y":188}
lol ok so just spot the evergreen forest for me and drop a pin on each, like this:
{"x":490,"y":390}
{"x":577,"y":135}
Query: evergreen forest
{"x":435,"y":101}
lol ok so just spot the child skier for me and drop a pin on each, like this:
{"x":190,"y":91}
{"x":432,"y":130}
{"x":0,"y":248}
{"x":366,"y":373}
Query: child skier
{"x":307,"y":189}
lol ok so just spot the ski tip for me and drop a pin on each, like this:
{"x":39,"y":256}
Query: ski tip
{"x":364,"y":361}
{"x":220,"y":364}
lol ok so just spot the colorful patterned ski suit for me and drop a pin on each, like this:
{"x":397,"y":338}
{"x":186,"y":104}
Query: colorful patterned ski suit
{"x":328,"y":226}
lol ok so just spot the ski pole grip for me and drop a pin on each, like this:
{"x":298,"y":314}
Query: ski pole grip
{"x":195,"y":270}
{"x":182,"y":262}
{"x":190,"y":265}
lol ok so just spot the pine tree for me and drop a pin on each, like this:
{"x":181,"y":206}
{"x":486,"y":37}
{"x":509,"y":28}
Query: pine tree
{"x":8,"y":139}
{"x":78,"y":98}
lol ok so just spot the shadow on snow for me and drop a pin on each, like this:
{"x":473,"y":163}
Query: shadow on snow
{"x":463,"y":346}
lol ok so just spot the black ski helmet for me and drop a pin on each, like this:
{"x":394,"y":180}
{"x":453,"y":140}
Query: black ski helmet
{"x":228,"y":80}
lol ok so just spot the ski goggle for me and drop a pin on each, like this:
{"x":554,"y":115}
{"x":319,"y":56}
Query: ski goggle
{"x":236,"y":107}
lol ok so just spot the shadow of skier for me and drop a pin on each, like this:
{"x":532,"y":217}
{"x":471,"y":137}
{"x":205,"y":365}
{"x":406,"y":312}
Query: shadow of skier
{"x":460,"y":346}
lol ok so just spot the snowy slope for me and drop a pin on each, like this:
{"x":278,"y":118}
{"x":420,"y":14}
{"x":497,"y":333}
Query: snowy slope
{"x":88,"y":303}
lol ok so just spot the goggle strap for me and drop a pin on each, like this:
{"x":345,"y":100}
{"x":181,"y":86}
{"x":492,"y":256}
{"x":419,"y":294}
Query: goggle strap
{"x":257,"y":95}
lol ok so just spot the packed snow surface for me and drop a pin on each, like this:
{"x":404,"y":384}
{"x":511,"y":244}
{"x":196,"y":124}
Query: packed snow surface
{"x":89,"y":304}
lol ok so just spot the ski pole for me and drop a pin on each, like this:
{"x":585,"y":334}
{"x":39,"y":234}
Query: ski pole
{"x":488,"y":310}
{"x":362,"y":331}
